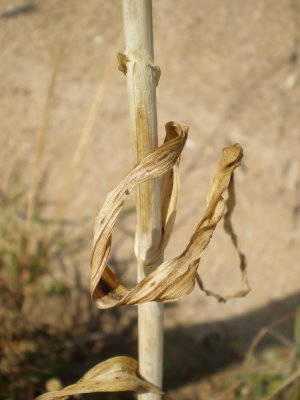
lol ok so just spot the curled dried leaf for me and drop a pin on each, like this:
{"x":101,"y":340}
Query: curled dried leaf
{"x":176,"y":277}
{"x":106,"y":289}
{"x":117,"y":374}
{"x":230,"y":204}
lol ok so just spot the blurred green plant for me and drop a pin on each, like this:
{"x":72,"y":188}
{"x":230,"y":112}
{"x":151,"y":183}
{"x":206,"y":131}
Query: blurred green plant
{"x":273,"y":373}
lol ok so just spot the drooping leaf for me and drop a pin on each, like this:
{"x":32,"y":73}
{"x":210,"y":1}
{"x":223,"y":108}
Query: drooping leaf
{"x":117,"y":374}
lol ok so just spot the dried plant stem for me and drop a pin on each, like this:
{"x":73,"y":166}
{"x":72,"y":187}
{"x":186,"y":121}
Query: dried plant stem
{"x":142,"y":79}
{"x":85,"y":137}
{"x":41,"y":134}
{"x":45,"y":119}
{"x":269,"y":330}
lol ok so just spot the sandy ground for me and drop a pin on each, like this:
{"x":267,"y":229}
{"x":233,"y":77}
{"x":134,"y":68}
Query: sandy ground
{"x":230,"y":70}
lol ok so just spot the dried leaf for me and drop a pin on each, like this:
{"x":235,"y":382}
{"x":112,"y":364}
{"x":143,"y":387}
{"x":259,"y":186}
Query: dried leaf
{"x":117,"y":374}
{"x":170,"y":188}
{"x":173,"y":278}
{"x":164,"y":160}
{"x":230,"y":204}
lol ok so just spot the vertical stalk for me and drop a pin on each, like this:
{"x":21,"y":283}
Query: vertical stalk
{"x":142,"y":79}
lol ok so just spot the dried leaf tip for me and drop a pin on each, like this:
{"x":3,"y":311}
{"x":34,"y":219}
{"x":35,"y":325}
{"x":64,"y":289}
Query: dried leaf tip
{"x":232,"y":156}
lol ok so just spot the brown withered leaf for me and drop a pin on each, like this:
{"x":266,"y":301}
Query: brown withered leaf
{"x":230,"y":204}
{"x":163,"y":161}
{"x":117,"y":374}
{"x":176,"y":277}
{"x":170,"y":188}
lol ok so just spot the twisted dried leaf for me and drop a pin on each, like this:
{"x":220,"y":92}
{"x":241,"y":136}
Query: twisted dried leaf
{"x":176,"y":277}
{"x":230,"y":205}
{"x":117,"y":374}
{"x":106,"y":289}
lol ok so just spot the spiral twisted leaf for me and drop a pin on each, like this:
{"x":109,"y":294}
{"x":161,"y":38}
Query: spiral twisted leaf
{"x":176,"y":277}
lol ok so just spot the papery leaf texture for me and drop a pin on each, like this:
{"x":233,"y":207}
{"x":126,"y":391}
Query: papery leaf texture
{"x":117,"y":374}
{"x":173,"y":278}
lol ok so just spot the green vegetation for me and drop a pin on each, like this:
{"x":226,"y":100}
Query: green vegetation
{"x":273,"y":372}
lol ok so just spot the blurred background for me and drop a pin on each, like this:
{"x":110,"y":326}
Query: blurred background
{"x":230,"y":71}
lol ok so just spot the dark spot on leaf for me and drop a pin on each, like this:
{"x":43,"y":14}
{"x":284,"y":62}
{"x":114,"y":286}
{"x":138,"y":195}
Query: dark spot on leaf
{"x":294,"y":57}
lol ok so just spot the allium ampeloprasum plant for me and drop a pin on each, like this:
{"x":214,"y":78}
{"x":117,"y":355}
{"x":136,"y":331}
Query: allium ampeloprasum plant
{"x":156,"y":180}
